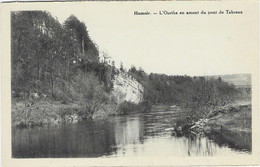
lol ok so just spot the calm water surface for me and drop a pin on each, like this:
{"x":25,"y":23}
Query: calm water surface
{"x":124,"y":136}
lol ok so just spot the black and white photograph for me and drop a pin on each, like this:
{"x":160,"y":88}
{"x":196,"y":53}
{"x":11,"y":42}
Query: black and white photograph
{"x":135,"y":79}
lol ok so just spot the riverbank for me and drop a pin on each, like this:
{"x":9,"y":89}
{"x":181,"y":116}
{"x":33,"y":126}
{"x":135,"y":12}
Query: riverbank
{"x":231,"y":117}
{"x":43,"y":112}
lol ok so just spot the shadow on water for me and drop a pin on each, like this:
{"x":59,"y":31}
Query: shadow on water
{"x":216,"y":143}
{"x":68,"y":140}
{"x":241,"y":141}
{"x":125,"y":136}
{"x":83,"y":139}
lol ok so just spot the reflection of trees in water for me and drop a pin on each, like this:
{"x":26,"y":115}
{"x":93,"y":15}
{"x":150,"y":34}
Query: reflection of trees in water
{"x":215,"y":143}
{"x":128,"y":135}
{"x":73,"y":140}
{"x":199,"y":145}
{"x":129,"y":131}
{"x":89,"y":139}
{"x":241,"y":141}
{"x":98,"y":140}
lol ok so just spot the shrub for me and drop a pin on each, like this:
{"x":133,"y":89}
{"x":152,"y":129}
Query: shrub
{"x":129,"y":107}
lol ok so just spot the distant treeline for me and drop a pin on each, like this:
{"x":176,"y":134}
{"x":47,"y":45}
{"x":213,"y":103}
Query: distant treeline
{"x":197,"y":94}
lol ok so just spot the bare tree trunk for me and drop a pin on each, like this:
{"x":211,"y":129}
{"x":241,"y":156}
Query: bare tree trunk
{"x":67,"y":71}
{"x":52,"y":87}
{"x":83,"y":49}
{"x":52,"y":79}
{"x":24,"y":99}
{"x":38,"y":67}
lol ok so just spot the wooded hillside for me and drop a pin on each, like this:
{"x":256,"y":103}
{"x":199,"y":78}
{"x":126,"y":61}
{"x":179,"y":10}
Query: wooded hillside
{"x":52,"y":58}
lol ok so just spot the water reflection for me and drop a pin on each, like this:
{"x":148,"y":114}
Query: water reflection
{"x":197,"y":145}
{"x":129,"y":131}
{"x":240,"y":141}
{"x":127,"y":136}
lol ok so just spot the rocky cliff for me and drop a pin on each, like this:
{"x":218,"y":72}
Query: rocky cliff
{"x":127,"y":88}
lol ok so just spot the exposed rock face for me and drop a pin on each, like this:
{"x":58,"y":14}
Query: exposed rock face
{"x":127,"y":88}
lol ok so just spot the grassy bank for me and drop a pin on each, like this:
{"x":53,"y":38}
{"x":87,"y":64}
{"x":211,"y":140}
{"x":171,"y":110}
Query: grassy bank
{"x":45,"y":112}
{"x":232,"y":117}
{"x":235,"y":117}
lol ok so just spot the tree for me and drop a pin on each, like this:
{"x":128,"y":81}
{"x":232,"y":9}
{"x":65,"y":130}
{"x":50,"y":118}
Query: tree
{"x":33,"y":38}
{"x":122,"y":67}
{"x":219,"y":79}
{"x":91,"y":93}
{"x":133,"y":69}
{"x":88,"y":48}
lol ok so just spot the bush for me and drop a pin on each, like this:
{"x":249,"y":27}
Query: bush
{"x":130,"y":108}
{"x":91,"y":93}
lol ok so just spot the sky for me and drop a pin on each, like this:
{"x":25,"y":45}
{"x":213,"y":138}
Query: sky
{"x":175,"y":44}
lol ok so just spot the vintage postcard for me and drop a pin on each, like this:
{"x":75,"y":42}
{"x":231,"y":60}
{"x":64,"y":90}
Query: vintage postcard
{"x":136,"y":83}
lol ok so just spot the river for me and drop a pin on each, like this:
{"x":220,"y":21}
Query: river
{"x":145,"y":134}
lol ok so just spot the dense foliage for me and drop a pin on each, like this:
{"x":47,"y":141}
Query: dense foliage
{"x":57,"y":61}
